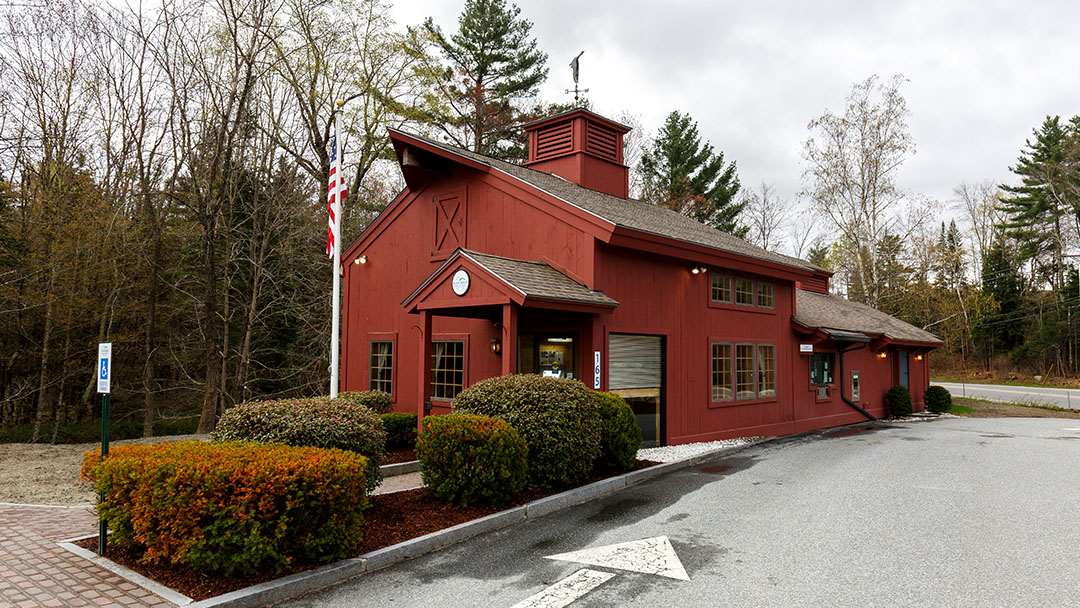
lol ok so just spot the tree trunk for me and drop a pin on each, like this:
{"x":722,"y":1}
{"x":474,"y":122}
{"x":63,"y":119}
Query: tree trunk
{"x":211,"y":348}
{"x":44,"y":377}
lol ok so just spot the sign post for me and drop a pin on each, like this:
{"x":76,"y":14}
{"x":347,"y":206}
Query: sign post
{"x":104,"y":384}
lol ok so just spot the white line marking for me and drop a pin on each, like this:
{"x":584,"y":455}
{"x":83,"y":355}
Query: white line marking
{"x":567,"y":591}
{"x":649,"y":556}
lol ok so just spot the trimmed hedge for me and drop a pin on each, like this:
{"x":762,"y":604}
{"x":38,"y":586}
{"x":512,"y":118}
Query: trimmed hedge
{"x":378,"y":401}
{"x":317,"y":422}
{"x":620,"y":435}
{"x":235,"y":508}
{"x":559,"y":419}
{"x":467,"y":458}
{"x":898,"y":401}
{"x":938,"y":399}
{"x":400,"y":430}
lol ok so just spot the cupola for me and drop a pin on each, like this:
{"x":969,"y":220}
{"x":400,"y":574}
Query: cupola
{"x":582,"y":147}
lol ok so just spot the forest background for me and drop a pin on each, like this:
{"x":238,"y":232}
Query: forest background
{"x":163,"y":185}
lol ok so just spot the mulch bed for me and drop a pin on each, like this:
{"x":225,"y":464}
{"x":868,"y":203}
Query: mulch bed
{"x":399,"y":456}
{"x":391,"y":519}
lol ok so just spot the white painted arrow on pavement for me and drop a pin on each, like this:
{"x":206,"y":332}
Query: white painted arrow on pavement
{"x":566,"y":591}
{"x":649,"y":556}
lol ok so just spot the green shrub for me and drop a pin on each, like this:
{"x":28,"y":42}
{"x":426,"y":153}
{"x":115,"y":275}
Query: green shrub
{"x":317,"y":422}
{"x":234,"y":508}
{"x":620,"y":435}
{"x":898,"y":401}
{"x":400,"y":430}
{"x":467,"y":458}
{"x":938,"y":399}
{"x":378,"y":401}
{"x":559,"y":419}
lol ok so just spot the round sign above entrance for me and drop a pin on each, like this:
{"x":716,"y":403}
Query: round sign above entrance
{"x":460,"y":282}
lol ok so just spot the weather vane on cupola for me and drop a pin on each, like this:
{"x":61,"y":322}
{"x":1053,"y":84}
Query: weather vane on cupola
{"x":574,"y":68}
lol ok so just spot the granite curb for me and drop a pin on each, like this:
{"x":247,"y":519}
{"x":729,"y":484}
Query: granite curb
{"x":401,"y":468}
{"x":319,"y":578}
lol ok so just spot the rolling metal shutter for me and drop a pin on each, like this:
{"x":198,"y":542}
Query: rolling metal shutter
{"x":634,"y":362}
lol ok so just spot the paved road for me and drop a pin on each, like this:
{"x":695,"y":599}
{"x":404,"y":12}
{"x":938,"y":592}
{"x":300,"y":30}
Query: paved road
{"x":952,"y":512}
{"x":1061,"y":397}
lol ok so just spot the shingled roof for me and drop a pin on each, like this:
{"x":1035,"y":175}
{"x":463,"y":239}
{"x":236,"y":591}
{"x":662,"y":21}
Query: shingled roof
{"x":628,"y":212}
{"x":828,"y":312}
{"x":538,"y":280}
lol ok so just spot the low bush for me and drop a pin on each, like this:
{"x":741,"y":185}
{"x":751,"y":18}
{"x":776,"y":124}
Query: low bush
{"x":938,"y":399}
{"x":467,"y":458}
{"x":234,"y":508}
{"x":400,"y":430}
{"x":378,"y":401}
{"x":559,"y":419}
{"x":620,"y":435}
{"x":898,"y":401}
{"x":317,"y":422}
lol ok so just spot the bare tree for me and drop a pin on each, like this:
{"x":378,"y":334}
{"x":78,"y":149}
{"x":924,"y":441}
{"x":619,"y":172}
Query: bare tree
{"x":980,"y":202}
{"x":851,"y":178}
{"x":765,"y":214}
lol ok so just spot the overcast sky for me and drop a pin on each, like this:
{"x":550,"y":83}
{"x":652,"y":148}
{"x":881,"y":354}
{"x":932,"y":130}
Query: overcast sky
{"x":753,"y":73}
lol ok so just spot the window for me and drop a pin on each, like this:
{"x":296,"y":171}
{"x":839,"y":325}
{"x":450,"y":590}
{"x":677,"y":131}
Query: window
{"x":744,"y":292}
{"x":744,"y":371}
{"x":821,"y":369}
{"x":766,"y":371}
{"x":381,"y":374}
{"x":765,"y":295}
{"x":447,"y":368}
{"x":722,"y":389}
{"x":721,"y":288}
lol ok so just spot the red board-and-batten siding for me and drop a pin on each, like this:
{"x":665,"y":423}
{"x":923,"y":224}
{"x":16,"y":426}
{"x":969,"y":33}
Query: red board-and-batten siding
{"x":658,"y":295}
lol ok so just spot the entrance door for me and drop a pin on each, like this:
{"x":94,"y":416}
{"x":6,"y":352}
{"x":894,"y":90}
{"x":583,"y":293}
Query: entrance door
{"x":636,"y":373}
{"x":546,"y":355}
{"x":902,"y":355}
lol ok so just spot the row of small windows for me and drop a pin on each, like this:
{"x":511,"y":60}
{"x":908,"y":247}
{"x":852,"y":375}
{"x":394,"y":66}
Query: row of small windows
{"x":744,"y":292}
{"x":743,"y":371}
{"x":447,"y":367}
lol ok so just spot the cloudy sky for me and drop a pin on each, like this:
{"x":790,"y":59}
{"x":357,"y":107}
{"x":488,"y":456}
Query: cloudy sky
{"x":981,"y":75}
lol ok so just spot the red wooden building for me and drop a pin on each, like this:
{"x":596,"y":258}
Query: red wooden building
{"x":482,"y":267}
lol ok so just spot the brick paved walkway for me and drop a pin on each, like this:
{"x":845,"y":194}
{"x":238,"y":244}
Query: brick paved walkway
{"x":35,"y":571}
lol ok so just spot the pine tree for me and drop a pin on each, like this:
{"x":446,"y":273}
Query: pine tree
{"x":492,"y":68}
{"x":1036,"y":208}
{"x":684,"y":174}
{"x":1002,"y":330}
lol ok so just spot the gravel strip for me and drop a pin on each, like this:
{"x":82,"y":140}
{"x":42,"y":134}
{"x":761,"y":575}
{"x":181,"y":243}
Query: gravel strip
{"x":674,"y":453}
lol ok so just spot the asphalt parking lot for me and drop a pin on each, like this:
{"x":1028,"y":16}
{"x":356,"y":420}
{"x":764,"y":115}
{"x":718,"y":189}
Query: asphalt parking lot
{"x":953,"y":512}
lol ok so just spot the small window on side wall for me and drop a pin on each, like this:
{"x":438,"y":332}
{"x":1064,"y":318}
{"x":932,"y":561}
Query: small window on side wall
{"x":722,"y":385}
{"x":721,"y":289}
{"x":765,"y":297}
{"x":766,"y":371}
{"x":381,"y":375}
{"x":821,"y":369}
{"x":744,"y":292}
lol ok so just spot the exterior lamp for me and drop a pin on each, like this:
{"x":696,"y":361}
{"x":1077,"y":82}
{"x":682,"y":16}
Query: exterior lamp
{"x":918,"y":357}
{"x":699,"y":270}
{"x":496,"y":346}
{"x":882,"y":355}
{"x":361,"y":260}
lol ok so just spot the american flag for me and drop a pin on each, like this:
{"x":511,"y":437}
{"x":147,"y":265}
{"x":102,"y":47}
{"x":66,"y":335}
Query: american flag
{"x":333,"y":206}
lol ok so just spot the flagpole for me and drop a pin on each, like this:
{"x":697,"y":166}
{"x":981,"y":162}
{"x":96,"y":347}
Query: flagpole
{"x":335,"y":327}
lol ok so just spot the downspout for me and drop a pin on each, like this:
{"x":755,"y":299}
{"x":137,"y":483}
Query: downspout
{"x":840,"y":357}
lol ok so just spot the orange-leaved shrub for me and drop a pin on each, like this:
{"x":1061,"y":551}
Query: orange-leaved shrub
{"x":317,"y":422}
{"x":467,"y":458}
{"x":234,"y":508}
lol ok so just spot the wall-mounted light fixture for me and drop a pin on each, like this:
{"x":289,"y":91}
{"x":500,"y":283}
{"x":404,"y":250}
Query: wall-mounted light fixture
{"x":918,"y":357}
{"x":699,"y":270}
{"x":496,"y":346}
{"x":882,"y":355}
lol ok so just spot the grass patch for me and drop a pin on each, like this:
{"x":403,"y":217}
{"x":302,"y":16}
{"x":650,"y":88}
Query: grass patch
{"x":90,"y":432}
{"x":958,"y":409}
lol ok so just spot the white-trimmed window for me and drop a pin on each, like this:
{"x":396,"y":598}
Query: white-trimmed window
{"x":721,"y":289}
{"x":765,"y":295}
{"x":723,"y":388}
{"x":744,"y":292}
{"x":381,"y":368}
{"x":447,"y":369}
{"x":766,"y":371}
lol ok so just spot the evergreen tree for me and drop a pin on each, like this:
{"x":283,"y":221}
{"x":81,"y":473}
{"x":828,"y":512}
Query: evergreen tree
{"x":684,"y":174}
{"x":492,"y":68}
{"x":1001,"y":329}
{"x":950,"y":253}
{"x":1036,"y":209}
